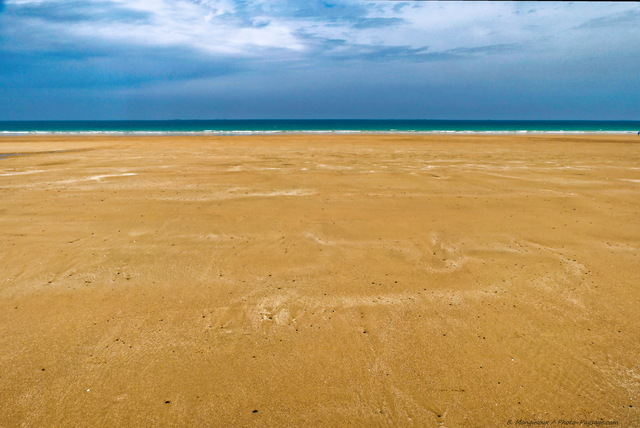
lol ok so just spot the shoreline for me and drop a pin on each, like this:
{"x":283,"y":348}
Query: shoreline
{"x":311,"y":132}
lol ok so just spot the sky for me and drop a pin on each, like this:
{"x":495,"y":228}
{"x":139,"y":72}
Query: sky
{"x":318,"y":59}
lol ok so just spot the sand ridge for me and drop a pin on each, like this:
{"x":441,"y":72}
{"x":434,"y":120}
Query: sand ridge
{"x":371,"y":280}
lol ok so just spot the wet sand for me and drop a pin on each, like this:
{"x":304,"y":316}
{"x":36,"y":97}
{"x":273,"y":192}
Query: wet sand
{"x":386,"y":280}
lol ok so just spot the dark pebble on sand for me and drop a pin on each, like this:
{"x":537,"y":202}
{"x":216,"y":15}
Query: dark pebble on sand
{"x":167,"y":402}
{"x":255,"y":411}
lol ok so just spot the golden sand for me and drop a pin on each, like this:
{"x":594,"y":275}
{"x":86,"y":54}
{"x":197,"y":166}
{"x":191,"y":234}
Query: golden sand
{"x":386,"y":280}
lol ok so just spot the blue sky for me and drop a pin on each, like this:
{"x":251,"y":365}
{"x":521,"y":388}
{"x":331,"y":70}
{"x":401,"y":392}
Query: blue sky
{"x":220,"y":59}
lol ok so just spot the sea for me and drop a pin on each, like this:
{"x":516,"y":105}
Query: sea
{"x":316,"y":126}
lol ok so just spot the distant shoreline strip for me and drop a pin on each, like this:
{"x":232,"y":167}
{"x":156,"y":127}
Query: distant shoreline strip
{"x":315,"y":126}
{"x":316,"y":132}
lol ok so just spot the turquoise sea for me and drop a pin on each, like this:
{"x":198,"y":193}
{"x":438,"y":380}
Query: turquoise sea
{"x":240,"y":127}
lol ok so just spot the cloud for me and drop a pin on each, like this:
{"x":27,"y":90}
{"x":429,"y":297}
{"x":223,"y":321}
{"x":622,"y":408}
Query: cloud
{"x":342,"y":50}
{"x":110,"y":67}
{"x":377,"y":22}
{"x":291,"y":11}
{"x":616,"y":19}
{"x":320,"y":10}
{"x":378,"y":52}
{"x":488,"y":50}
{"x":422,"y":54}
{"x":76,"y":11}
{"x":148,"y":23}
{"x":288,"y":51}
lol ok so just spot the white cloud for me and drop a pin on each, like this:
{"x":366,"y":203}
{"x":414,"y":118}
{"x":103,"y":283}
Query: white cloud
{"x":227,"y":27}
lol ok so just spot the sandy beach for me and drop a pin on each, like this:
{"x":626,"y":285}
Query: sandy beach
{"x":319,"y":280}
